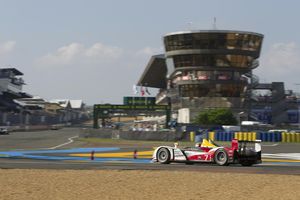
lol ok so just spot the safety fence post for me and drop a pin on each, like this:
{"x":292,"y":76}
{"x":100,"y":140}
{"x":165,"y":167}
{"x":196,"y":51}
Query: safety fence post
{"x":284,"y":137}
{"x":192,"y":136}
{"x":297,"y":137}
{"x":212,"y":136}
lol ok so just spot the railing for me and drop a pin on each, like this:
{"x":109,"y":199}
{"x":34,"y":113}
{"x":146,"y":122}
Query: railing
{"x":279,"y":111}
{"x":253,"y":116}
{"x":160,"y":97}
{"x":6,"y":75}
{"x":18,"y":81}
{"x":255,"y":64}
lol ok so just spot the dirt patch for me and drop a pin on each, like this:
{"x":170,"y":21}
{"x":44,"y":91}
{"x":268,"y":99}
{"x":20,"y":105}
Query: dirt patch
{"x":113,"y":184}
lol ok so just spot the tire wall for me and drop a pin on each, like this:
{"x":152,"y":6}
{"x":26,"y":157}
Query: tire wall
{"x":251,"y":136}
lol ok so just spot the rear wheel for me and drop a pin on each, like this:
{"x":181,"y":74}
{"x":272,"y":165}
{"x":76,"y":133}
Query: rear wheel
{"x":163,"y":156}
{"x":221,"y":157}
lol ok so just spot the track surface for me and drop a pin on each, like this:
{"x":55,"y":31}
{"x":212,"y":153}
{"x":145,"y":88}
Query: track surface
{"x":57,"y":149}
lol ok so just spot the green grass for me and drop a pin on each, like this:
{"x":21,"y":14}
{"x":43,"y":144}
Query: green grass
{"x":157,"y":143}
{"x":132,"y":142}
{"x":121,"y":141}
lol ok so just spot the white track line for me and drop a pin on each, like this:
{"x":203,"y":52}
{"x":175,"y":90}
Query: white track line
{"x":293,"y":156}
{"x":269,"y":145}
{"x":66,"y":143}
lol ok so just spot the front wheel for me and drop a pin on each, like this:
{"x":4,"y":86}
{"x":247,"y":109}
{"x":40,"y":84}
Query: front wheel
{"x":221,"y":157}
{"x":163,"y":156}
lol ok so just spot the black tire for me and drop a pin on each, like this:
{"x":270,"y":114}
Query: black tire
{"x":221,"y":157}
{"x":163,"y":156}
{"x":189,"y":163}
{"x":246,"y":163}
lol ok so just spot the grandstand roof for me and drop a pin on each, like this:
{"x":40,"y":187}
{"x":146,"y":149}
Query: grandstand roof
{"x":155,"y":73}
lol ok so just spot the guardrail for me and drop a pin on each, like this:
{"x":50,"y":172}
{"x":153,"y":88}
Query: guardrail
{"x":34,"y":127}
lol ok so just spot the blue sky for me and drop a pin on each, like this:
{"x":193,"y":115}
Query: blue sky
{"x":96,"y":50}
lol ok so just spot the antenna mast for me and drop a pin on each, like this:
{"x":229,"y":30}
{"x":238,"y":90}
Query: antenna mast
{"x":190,"y":25}
{"x":215,"y":24}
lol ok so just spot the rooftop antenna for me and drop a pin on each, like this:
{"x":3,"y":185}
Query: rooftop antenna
{"x":215,"y":24}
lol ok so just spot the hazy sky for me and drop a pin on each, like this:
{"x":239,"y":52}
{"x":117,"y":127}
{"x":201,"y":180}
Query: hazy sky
{"x":96,"y":50}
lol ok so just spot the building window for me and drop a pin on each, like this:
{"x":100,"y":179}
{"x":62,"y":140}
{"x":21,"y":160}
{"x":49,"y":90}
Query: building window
{"x":195,"y":60}
{"x":213,"y":41}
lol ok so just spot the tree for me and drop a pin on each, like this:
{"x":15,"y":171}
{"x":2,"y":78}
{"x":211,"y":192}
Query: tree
{"x":221,"y":116}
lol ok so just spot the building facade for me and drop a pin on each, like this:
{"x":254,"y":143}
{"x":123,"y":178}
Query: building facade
{"x":11,"y":84}
{"x":206,"y":69}
{"x":18,"y":108}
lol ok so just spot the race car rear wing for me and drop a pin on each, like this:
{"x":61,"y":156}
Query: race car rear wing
{"x":256,"y":143}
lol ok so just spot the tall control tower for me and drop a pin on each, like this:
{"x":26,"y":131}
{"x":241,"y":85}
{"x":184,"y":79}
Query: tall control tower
{"x":205,"y":69}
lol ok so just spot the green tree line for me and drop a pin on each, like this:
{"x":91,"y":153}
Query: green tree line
{"x":220,"y":116}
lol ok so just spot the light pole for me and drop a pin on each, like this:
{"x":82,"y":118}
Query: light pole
{"x":298,"y":112}
{"x":298,"y":105}
{"x":240,"y":121}
{"x":239,"y":117}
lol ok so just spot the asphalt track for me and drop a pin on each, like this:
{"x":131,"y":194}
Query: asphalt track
{"x":60,"y":149}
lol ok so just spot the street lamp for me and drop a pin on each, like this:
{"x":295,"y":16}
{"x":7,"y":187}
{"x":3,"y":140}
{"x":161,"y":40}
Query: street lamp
{"x":240,"y":121}
{"x":239,"y":117}
{"x":298,"y":105}
{"x":298,"y":112}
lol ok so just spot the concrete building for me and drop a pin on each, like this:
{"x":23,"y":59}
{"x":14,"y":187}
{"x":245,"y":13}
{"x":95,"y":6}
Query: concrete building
{"x":20,"y":109}
{"x":272,"y":104}
{"x":74,"y":110}
{"x":209,"y":69}
{"x":11,"y":84}
{"x":205,"y":69}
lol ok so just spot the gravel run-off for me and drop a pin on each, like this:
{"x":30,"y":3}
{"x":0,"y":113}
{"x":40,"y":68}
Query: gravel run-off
{"x":34,"y":184}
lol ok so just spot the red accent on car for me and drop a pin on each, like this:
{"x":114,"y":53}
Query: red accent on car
{"x":204,"y":157}
{"x":194,"y":157}
{"x":206,"y":149}
{"x":234,"y":144}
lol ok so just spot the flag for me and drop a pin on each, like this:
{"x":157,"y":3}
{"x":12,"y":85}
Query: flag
{"x":147,"y":91}
{"x":142,"y":91}
{"x":134,"y":89}
{"x":202,"y":77}
{"x":184,"y":78}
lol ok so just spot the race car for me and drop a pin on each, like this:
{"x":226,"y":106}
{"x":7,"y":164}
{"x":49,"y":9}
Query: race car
{"x":241,"y":152}
{"x":4,"y":131}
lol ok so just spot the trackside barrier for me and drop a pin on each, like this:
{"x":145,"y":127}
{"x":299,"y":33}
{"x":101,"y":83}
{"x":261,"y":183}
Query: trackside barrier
{"x":290,"y":137}
{"x":270,"y":137}
{"x":192,"y":136}
{"x":228,"y":136}
{"x":223,"y":136}
{"x":298,"y":137}
{"x":250,"y":136}
{"x":211,"y":136}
